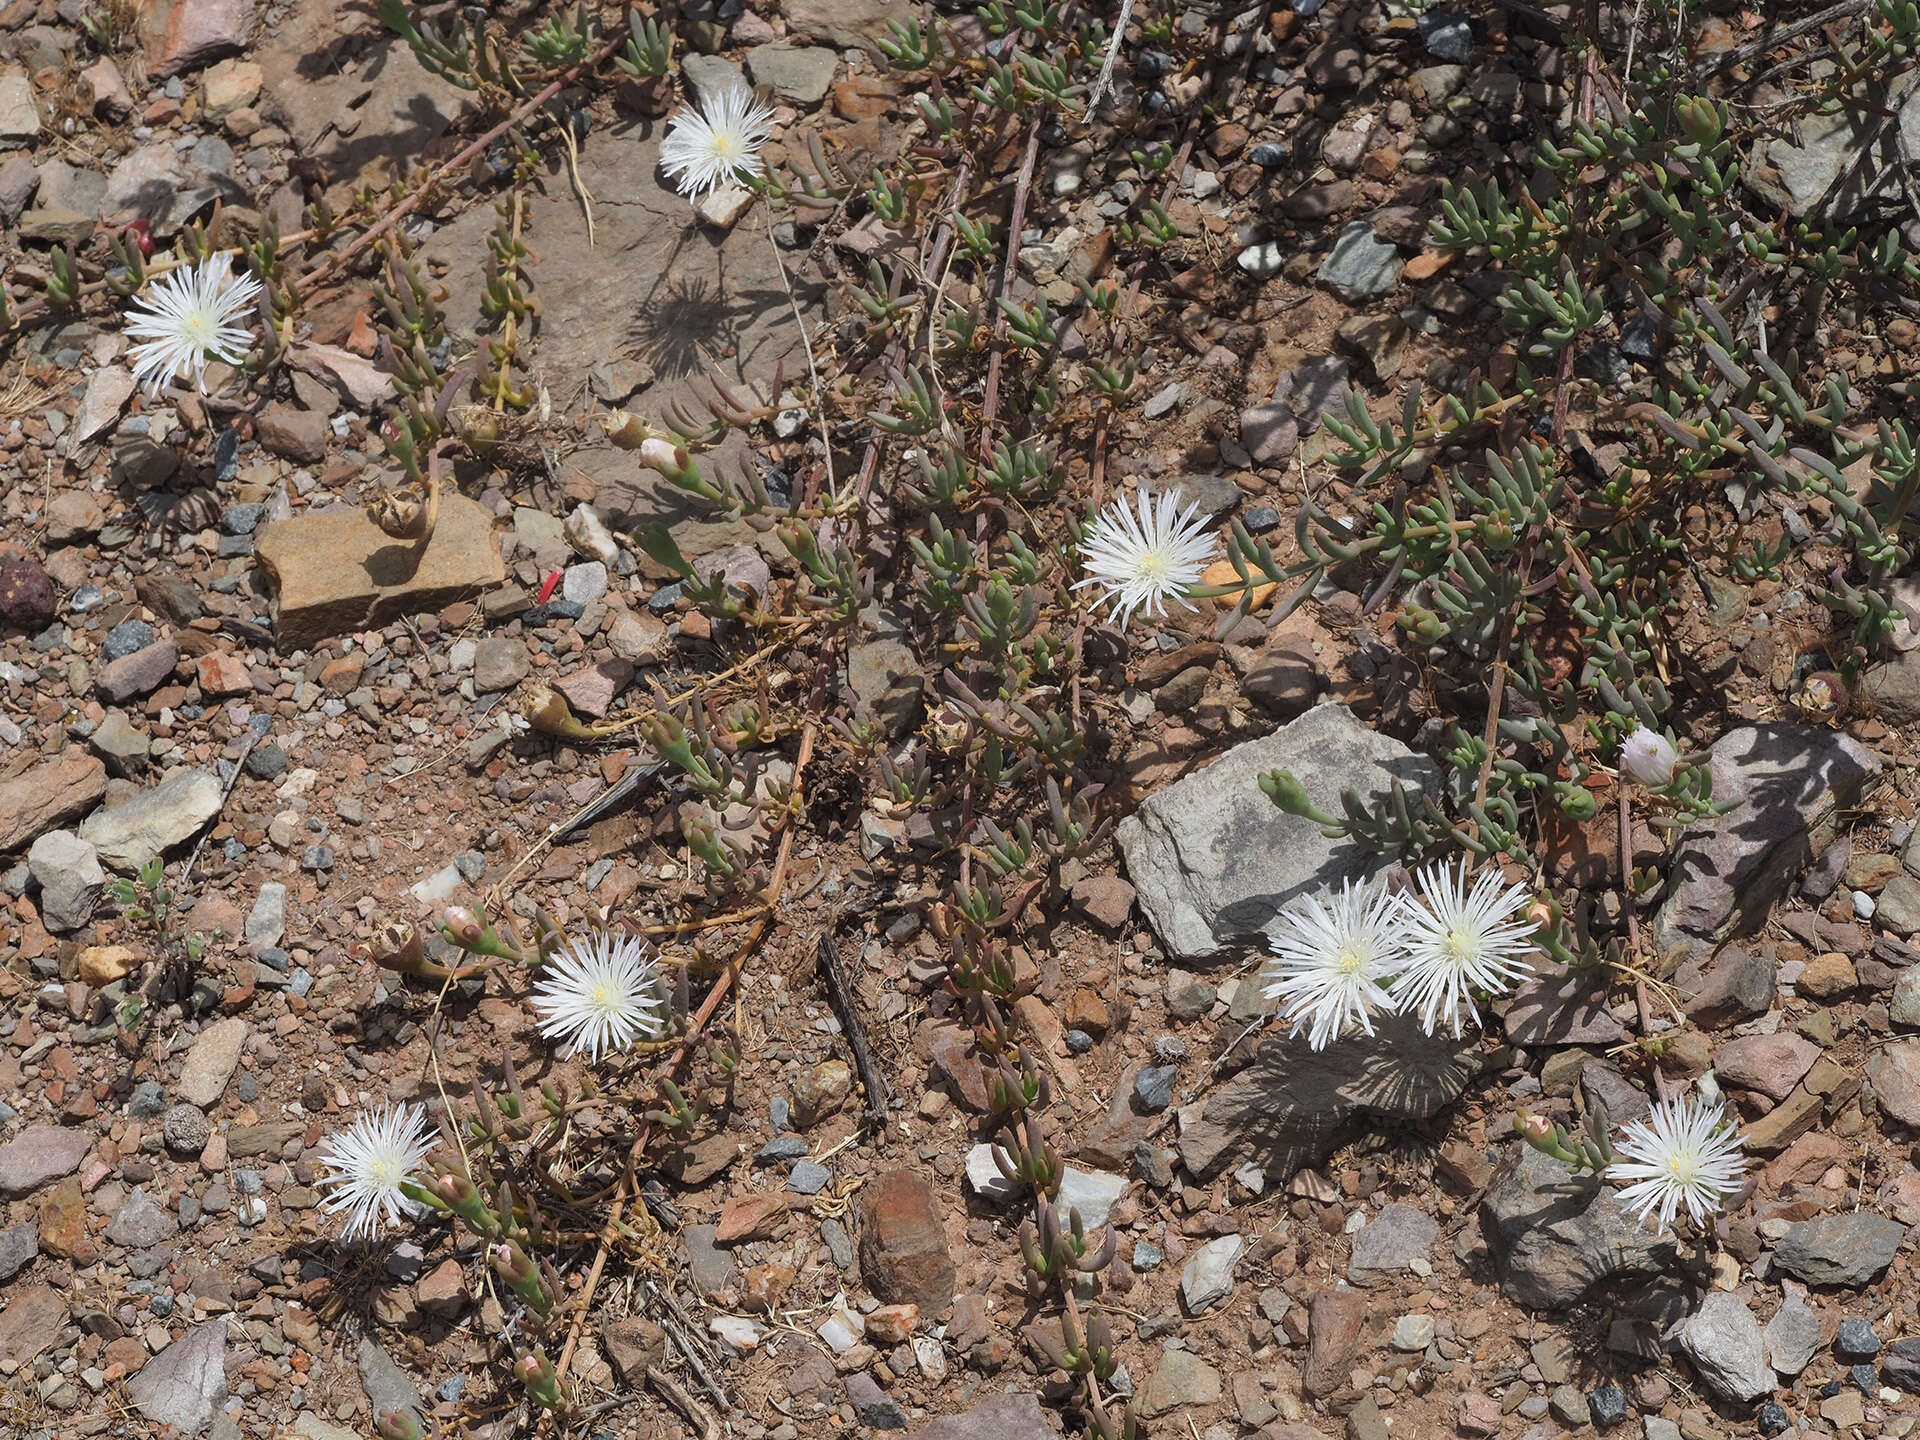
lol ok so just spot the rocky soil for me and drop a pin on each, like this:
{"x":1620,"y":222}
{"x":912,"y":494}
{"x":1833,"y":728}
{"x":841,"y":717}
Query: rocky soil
{"x":206,"y":659}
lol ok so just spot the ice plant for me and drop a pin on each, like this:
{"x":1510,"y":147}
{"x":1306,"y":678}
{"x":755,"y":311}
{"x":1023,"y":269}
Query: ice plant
{"x":707,"y":145}
{"x":369,"y":1164}
{"x":600,"y":994}
{"x":189,"y":318}
{"x":1648,"y":757}
{"x":1457,"y":939}
{"x":1684,"y":1153}
{"x":1330,"y":958}
{"x":1140,"y":562}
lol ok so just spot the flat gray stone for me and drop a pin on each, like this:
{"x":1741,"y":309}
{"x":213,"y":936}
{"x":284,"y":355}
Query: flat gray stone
{"x":1845,"y":166}
{"x":1214,"y":860}
{"x":1851,"y":1249}
{"x":184,"y":1384}
{"x":800,"y":73}
{"x":1361,"y":266}
{"x":1009,"y":1415}
{"x":139,"y":1223}
{"x":267,"y":920}
{"x":386,"y":1384}
{"x":1554,"y":1238}
{"x":1207,"y":1279}
{"x":154,"y":821}
{"x":1092,"y":1193}
{"x":68,"y":871}
{"x":1793,"y":780}
{"x":1792,"y":1336}
{"x":1394,"y":1239}
{"x":18,"y":1245}
{"x":1723,"y":1340}
{"x":1287,"y":1109}
{"x":210,"y":1061}
{"x":39,"y":1155}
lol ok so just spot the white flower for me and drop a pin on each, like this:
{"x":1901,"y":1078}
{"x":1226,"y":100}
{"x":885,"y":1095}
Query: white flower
{"x":1457,"y":940}
{"x":367,"y":1163}
{"x":1685,"y":1152}
{"x":1329,"y":959}
{"x":189,"y":318}
{"x":599,"y":993}
{"x":1648,"y":757}
{"x":706,"y":145}
{"x":1140,"y":563}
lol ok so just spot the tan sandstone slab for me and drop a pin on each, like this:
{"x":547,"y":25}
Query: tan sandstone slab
{"x":337,"y":571}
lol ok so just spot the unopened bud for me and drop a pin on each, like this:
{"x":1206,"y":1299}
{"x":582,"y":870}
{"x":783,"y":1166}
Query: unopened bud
{"x":463,"y":926}
{"x":397,"y":1424}
{"x":1648,"y":757}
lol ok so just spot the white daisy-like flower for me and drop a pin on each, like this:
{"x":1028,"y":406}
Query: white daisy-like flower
{"x":367,"y":1163}
{"x":1684,"y":1153}
{"x":1648,"y":757}
{"x":188,"y":318}
{"x":600,"y":993}
{"x":708,"y":143}
{"x":1140,"y":562}
{"x":1458,"y":939}
{"x":1330,"y":958}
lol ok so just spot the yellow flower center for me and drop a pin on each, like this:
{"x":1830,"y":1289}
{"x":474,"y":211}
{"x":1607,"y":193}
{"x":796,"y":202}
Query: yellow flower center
{"x":723,"y":144}
{"x":1349,"y":963}
{"x":1684,"y":1166}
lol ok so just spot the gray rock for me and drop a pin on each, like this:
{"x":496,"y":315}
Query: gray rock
{"x":70,"y":877}
{"x":800,"y":73}
{"x":1287,"y":1109}
{"x":267,"y":920}
{"x":18,"y":1245}
{"x":1792,"y":1336}
{"x":887,"y":679}
{"x":154,"y":821}
{"x":1843,"y":167}
{"x":139,"y":1223}
{"x":1560,"y":1006}
{"x":1850,"y":1249}
{"x":1739,"y":986}
{"x":1181,"y":1378}
{"x":500,"y":662}
{"x":1093,"y":1193}
{"x":1897,"y":906}
{"x":1009,"y":1415}
{"x":19,"y":117}
{"x":39,"y":1155}
{"x":123,"y":748}
{"x":1900,"y":1366}
{"x":386,"y":1384}
{"x":184,"y":1384}
{"x":1905,"y":1005}
{"x":137,"y":674}
{"x":872,"y":1404}
{"x":185,"y":1129}
{"x":107,"y":392}
{"x":1393,"y":1240}
{"x":1792,"y":780}
{"x":1207,"y":1279}
{"x":1554,"y":1238}
{"x":1723,"y":1340}
{"x":1361,"y":266}
{"x":1153,"y":1088}
{"x":1214,"y":860}
{"x":1605,"y":1088}
{"x":210,"y":1061}
{"x":713,"y":1268}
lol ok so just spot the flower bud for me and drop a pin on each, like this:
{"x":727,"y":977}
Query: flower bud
{"x":1700,"y":119}
{"x":663,"y":455}
{"x":1648,"y":758}
{"x":397,"y":1425}
{"x":463,"y":926}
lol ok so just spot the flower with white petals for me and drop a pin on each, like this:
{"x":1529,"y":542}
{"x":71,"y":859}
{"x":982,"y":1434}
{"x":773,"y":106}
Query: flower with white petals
{"x":1329,"y":959}
{"x":1457,"y":940}
{"x":1140,"y":562}
{"x":600,"y":993}
{"x":188,"y":318}
{"x":708,"y":144}
{"x":1684,"y":1153}
{"x":368,"y":1163}
{"x":1648,"y":757}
